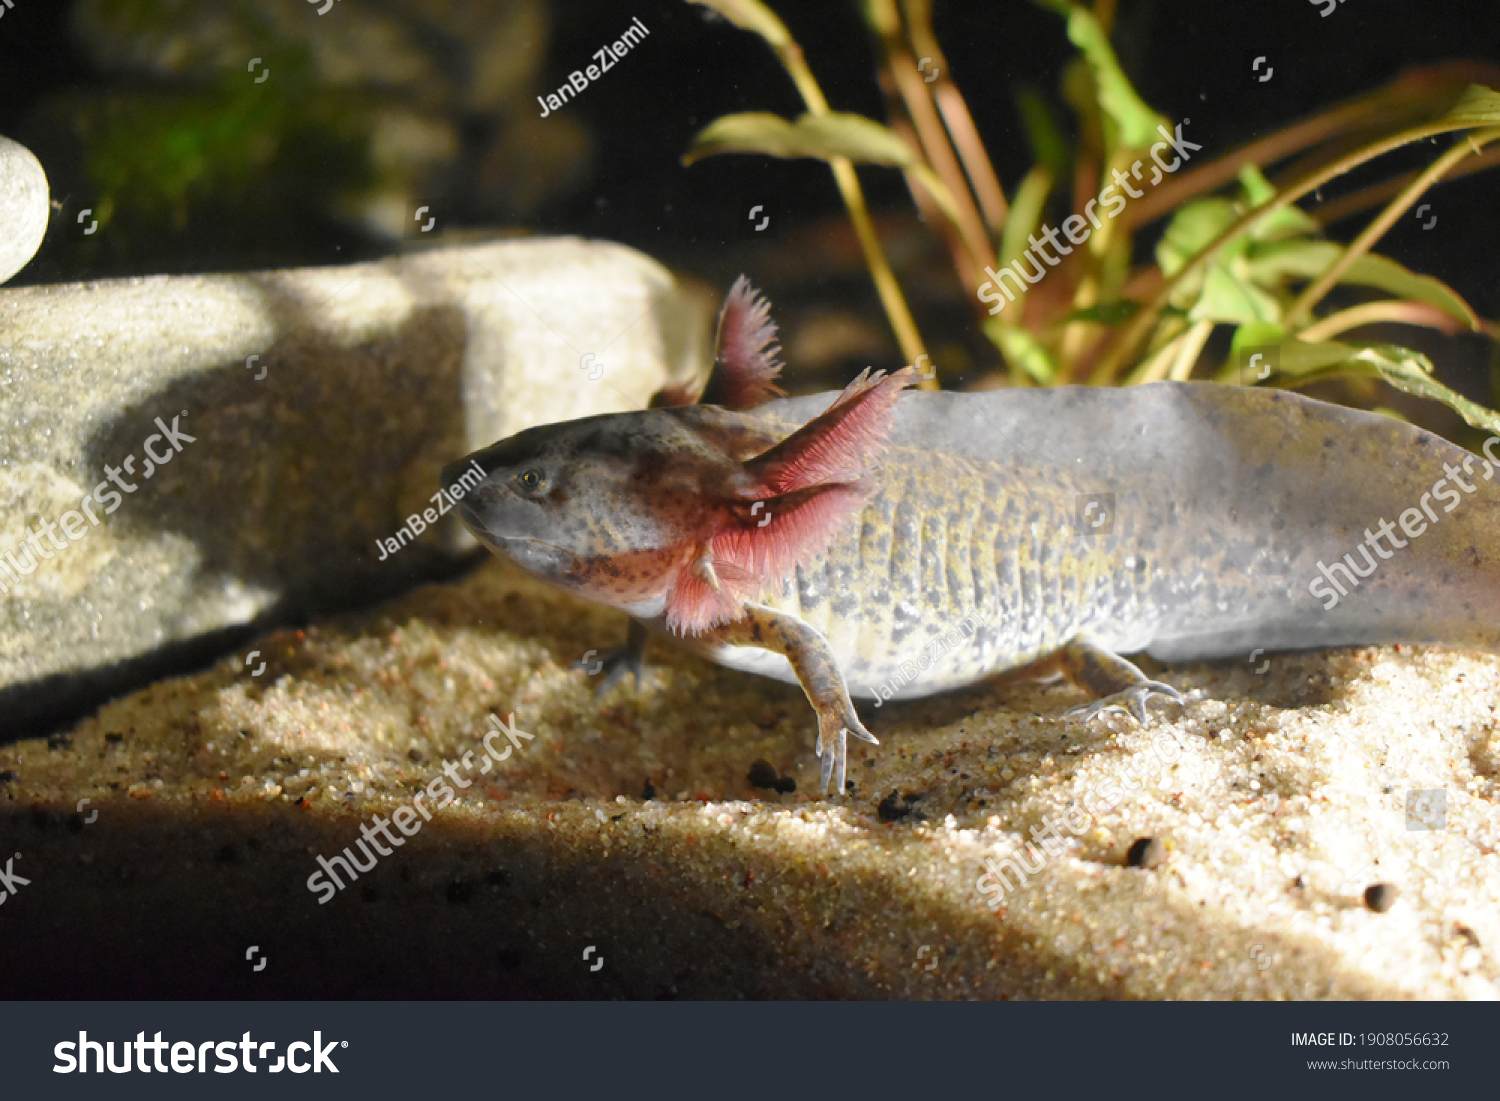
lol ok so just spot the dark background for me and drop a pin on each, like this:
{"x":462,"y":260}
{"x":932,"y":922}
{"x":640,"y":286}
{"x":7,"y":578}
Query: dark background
{"x":1186,"y":57}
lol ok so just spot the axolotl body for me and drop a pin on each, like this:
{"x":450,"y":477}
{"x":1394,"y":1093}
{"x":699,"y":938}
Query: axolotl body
{"x":890,"y":543}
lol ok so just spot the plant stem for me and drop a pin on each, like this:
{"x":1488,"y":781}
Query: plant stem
{"x":1426,"y":91}
{"x":956,"y":117}
{"x":880,"y":271}
{"x":844,"y":175}
{"x":1313,"y":294}
{"x":1154,"y":367}
{"x":1336,"y":210}
{"x":953,"y":211}
{"x":939,"y":154}
{"x":1141,"y":324}
{"x":1374,"y":313}
{"x":1187,"y":354}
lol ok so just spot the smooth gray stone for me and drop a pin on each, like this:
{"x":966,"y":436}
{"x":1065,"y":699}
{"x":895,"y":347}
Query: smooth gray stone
{"x":24,"y":206}
{"x":374,"y":376}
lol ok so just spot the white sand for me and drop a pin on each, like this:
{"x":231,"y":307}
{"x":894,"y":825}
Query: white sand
{"x":1282,"y":797}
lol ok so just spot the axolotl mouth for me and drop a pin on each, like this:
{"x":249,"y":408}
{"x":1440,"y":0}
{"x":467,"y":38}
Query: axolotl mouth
{"x":542,"y":559}
{"x":498,"y":520}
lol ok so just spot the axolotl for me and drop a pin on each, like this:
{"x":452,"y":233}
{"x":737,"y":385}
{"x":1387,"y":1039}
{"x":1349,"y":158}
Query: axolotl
{"x":892,"y":543}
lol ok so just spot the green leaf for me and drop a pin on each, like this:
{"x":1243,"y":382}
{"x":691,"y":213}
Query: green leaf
{"x":1117,"y":97}
{"x":824,"y":137}
{"x":1255,"y":334}
{"x":1288,"y":221}
{"x":1403,"y":368}
{"x":1385,"y":273}
{"x":1270,"y":265}
{"x":1478,"y":106}
{"x":1048,"y":146}
{"x":1236,"y":301}
{"x":1117,"y":312}
{"x":1273,"y":264}
{"x":1258,"y":190}
{"x":1192,"y":228}
{"x":835,"y":134}
{"x":1019,"y":346}
{"x":1297,"y":359}
{"x":1025,"y":216}
{"x":1412,"y":372}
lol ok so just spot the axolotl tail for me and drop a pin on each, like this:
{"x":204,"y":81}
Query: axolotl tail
{"x":1327,"y":526}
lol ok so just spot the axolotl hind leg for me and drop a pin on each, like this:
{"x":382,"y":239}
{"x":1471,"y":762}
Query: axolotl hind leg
{"x":1114,"y":683}
{"x":812,"y":659}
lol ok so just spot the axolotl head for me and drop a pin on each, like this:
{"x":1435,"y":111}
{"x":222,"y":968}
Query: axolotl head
{"x":687,"y":512}
{"x":610,"y":507}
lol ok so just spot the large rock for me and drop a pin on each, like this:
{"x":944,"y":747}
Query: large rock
{"x":307,"y":413}
{"x":24,"y":206}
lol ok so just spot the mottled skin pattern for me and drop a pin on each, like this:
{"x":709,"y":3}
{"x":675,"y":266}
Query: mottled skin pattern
{"x":978,"y":552}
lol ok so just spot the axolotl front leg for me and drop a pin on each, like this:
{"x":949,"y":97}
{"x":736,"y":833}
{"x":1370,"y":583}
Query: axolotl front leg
{"x":1110,"y":680}
{"x":803,"y":646}
{"x":817,"y":670}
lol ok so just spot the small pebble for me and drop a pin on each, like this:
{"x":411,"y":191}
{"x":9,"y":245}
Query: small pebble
{"x":762,"y":774}
{"x":1146,"y":852}
{"x":1380,"y":897}
{"x":895,"y":806}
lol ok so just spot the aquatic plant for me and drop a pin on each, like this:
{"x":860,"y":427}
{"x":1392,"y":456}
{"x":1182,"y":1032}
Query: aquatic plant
{"x":1237,"y":250}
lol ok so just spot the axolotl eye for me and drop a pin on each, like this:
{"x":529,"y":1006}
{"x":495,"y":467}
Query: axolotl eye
{"x":530,"y":479}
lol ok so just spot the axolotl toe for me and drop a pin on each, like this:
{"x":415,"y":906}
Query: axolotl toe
{"x":884,"y":543}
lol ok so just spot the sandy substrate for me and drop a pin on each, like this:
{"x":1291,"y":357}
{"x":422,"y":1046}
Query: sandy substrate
{"x":629,"y":824}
